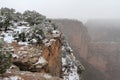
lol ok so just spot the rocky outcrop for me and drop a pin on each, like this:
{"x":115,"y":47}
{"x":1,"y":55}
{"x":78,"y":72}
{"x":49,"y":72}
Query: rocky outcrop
{"x":40,"y":58}
{"x":15,"y":74}
{"x":39,"y":48}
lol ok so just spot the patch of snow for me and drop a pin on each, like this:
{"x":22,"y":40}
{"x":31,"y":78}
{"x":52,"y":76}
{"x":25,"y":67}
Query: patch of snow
{"x":64,"y":62}
{"x":20,"y":29}
{"x":34,"y":41}
{"x":15,"y":24}
{"x":70,"y":48}
{"x":56,"y":33}
{"x":41,"y":61}
{"x":47,"y":76}
{"x":23,"y":43}
{"x":15,"y":56}
{"x":51,"y":40}
{"x":8,"y":37}
{"x":63,"y":48}
{"x":13,"y":78}
{"x":48,"y":42}
{"x":73,"y":74}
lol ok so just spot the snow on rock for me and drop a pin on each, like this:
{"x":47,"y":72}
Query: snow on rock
{"x":47,"y":76}
{"x":21,"y":29}
{"x":34,"y":41}
{"x":41,"y":62}
{"x":48,"y":42}
{"x":73,"y":74}
{"x":7,"y":37}
{"x":69,"y":67}
{"x":13,"y":78}
{"x":64,"y":63}
{"x":56,"y":33}
{"x":23,"y":43}
{"x":15,"y":56}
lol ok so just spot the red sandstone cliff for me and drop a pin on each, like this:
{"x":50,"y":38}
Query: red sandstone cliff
{"x":76,"y":34}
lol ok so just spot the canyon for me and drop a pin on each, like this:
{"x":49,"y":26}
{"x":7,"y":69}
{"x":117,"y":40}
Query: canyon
{"x":97,"y":44}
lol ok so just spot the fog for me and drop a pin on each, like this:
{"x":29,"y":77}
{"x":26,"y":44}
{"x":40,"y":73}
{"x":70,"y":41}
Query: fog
{"x":75,"y":9}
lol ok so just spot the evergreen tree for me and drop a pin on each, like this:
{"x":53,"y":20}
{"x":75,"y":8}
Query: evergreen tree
{"x":5,"y":57}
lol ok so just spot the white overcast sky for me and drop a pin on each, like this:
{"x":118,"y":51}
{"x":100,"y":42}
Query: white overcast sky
{"x":73,"y":9}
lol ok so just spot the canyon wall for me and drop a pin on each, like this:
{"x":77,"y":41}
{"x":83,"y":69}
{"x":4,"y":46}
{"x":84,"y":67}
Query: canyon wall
{"x":104,"y":48}
{"x":106,"y":58}
{"x":78,"y":36}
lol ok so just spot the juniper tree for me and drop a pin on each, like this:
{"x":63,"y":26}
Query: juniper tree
{"x":33,"y":17}
{"x":5,"y":58}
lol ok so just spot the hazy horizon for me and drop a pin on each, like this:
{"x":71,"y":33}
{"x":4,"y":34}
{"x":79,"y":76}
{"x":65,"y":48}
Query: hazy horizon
{"x":71,"y":9}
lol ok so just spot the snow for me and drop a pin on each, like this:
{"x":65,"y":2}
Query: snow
{"x":8,"y":37}
{"x":21,"y":29}
{"x":48,"y":42}
{"x":56,"y":33}
{"x":13,"y":78}
{"x":15,"y":24}
{"x":34,"y":40}
{"x":41,"y":61}
{"x":23,"y":43}
{"x":47,"y":76}
{"x":15,"y":56}
{"x":70,"y":72}
{"x":71,"y":75}
{"x":63,"y":48}
{"x":64,"y":62}
{"x":74,"y":75}
{"x":51,"y":40}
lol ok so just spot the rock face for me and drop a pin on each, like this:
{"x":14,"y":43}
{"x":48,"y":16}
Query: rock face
{"x":80,"y":40}
{"x":77,"y":35}
{"x":40,"y":58}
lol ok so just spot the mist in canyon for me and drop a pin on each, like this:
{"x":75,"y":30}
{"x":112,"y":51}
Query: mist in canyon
{"x":92,"y":28}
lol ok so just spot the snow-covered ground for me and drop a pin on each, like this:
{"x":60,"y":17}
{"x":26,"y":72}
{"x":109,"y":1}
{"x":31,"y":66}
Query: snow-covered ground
{"x":8,"y":36}
{"x":21,"y":29}
{"x":68,"y":64}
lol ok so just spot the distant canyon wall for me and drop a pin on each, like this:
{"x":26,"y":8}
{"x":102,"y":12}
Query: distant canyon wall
{"x":104,"y":48}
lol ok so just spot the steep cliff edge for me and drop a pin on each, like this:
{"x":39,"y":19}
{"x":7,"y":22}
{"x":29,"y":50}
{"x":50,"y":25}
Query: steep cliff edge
{"x":79,"y":38}
{"x":77,"y":35}
{"x":35,"y":49}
